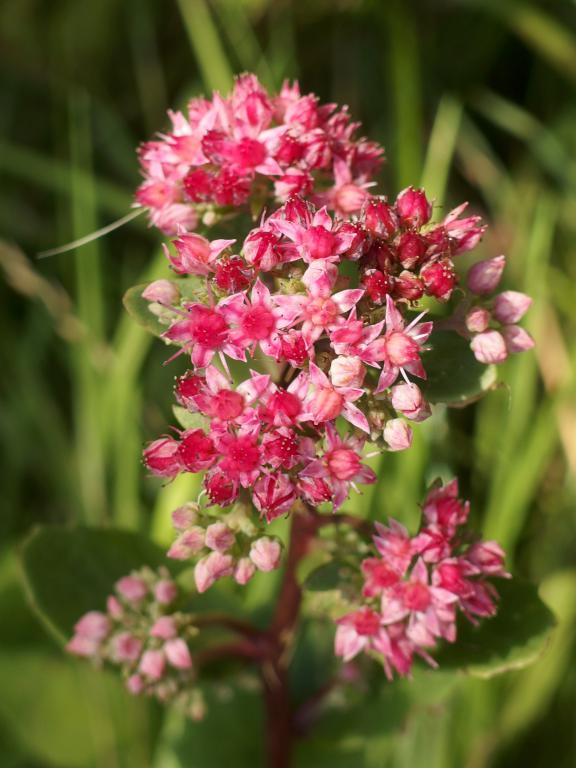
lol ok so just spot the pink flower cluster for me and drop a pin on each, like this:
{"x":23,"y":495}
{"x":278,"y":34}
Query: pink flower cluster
{"x":413,"y":590}
{"x":492,"y":324}
{"x":249,"y":146}
{"x":229,"y":546}
{"x":142,"y":635}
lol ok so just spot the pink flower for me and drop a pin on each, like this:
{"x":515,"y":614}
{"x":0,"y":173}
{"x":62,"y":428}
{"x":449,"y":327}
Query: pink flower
{"x":203,"y":333}
{"x":195,"y":255}
{"x":516,"y":339}
{"x":356,"y":632}
{"x":317,"y":238}
{"x":189,"y":543}
{"x":126,"y":647}
{"x":164,"y":628}
{"x":273,"y":495}
{"x":394,"y":545}
{"x":326,"y":401}
{"x":94,"y":625}
{"x":399,"y":348}
{"x":347,"y":371}
{"x":221,"y":488}
{"x":407,"y":399}
{"x":488,"y":556}
{"x":340,"y":466}
{"x":443,"y":509}
{"x":196,"y":451}
{"x":255,"y":321}
{"x":265,"y":553}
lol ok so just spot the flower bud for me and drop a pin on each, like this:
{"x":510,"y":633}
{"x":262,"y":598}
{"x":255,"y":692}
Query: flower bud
{"x":377,"y":284}
{"x":219,"y":537}
{"x":407,"y":399}
{"x":413,"y":207}
{"x":221,"y":489}
{"x":244,"y":571}
{"x":517,"y":339}
{"x":439,"y":279}
{"x":379,"y":218}
{"x":408,"y":286}
{"x":349,"y":198}
{"x":126,"y":647}
{"x":161,"y":291}
{"x":135,"y":685}
{"x":483,"y":277}
{"x":177,"y":653}
{"x":165,"y":591}
{"x":187,"y":544}
{"x":265,"y":554}
{"x":397,"y":435}
{"x":94,"y":625}
{"x":488,"y":556}
{"x":132,"y":589}
{"x":161,"y":457}
{"x":164,"y":628}
{"x":152,"y":664}
{"x":510,"y":306}
{"x":477,"y":320}
{"x":211,"y":568}
{"x":184,"y":517}
{"x":347,"y":371}
{"x":411,"y":248}
{"x":489,"y":347}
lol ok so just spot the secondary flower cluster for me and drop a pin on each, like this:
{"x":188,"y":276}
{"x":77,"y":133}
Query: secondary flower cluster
{"x":229,"y":546}
{"x":226,"y":152}
{"x":141,"y":634}
{"x":492,"y":324}
{"x":415,"y":587}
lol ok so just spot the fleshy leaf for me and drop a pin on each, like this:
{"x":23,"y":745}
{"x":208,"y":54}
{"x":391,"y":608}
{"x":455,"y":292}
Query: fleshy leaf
{"x":513,"y":639}
{"x":69,"y":571}
{"x":455,"y":377}
{"x":188,"y":420}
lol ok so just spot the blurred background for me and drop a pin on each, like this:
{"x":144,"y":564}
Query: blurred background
{"x":475,"y":99}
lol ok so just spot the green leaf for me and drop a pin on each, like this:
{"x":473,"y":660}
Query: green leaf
{"x":455,"y":377}
{"x":188,"y":420}
{"x":142,"y":311}
{"x":69,"y":571}
{"x":327,"y":577}
{"x":66,"y":713}
{"x":513,"y":639}
{"x":139,"y":309}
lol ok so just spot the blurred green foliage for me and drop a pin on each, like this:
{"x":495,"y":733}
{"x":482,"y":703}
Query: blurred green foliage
{"x":476,"y":99}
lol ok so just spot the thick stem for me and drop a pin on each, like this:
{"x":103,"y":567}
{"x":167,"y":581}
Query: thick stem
{"x":274,"y":671}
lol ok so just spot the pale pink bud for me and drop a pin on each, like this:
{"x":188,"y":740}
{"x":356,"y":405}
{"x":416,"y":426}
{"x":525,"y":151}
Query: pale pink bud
{"x":244,"y":571}
{"x":184,"y":517}
{"x":126,"y":647}
{"x":489,"y":347}
{"x":152,"y":664}
{"x":164,"y":628}
{"x":83,"y":646}
{"x":397,"y":435}
{"x":407,"y":399}
{"x":132,"y":588}
{"x":94,"y":625}
{"x":488,"y":556}
{"x":177,"y":653}
{"x":326,"y":404}
{"x":349,"y":198}
{"x":161,"y":291}
{"x":413,"y":207}
{"x":211,"y":568}
{"x":135,"y":684}
{"x":219,"y":537}
{"x":187,"y":544}
{"x":114,"y":607}
{"x":484,"y":276}
{"x":477,"y":320}
{"x":265,"y":554}
{"x":165,"y":591}
{"x":347,"y":372}
{"x":517,"y":339}
{"x":510,"y":306}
